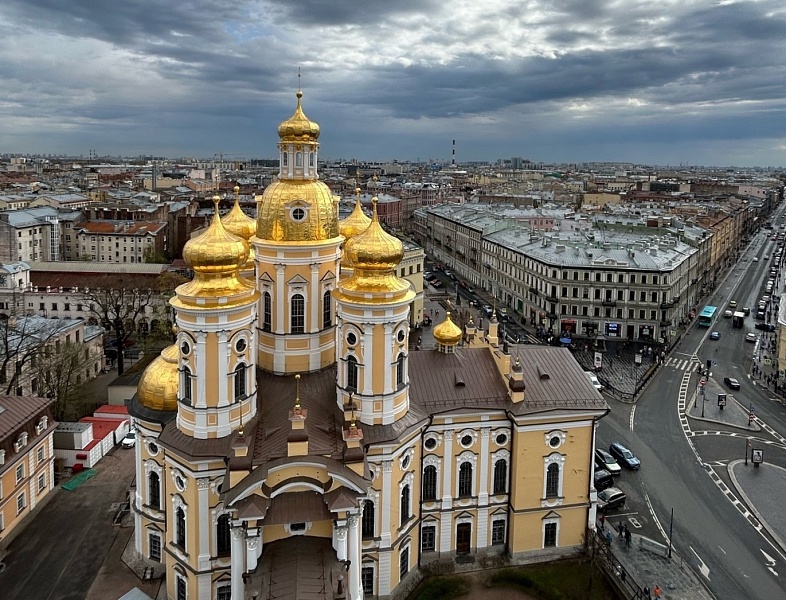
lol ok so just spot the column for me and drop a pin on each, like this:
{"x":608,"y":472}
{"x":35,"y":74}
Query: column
{"x":238,"y":563}
{"x":446,"y":521}
{"x":387,"y":492}
{"x":253,"y":545}
{"x":314,"y":301}
{"x":483,"y":492}
{"x":340,"y":543}
{"x":355,"y":589}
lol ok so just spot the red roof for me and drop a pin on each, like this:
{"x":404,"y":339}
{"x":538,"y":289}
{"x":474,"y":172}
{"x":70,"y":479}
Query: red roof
{"x":101,"y":427}
{"x":114,"y":409}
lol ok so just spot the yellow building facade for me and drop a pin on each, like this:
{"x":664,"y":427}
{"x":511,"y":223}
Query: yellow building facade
{"x":291,"y":445}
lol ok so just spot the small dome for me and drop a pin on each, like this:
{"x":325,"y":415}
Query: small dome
{"x":158,"y":387}
{"x":298,"y":127}
{"x":356,"y":223}
{"x":215,"y":250}
{"x":374,"y":251}
{"x":447,"y":333}
{"x":237,"y":222}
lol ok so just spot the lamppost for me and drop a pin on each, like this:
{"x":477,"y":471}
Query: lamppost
{"x":702,"y":394}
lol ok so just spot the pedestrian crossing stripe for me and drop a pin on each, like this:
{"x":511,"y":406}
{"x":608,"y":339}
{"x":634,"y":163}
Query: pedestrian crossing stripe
{"x":683,"y":364}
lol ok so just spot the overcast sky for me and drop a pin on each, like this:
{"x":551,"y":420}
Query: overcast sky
{"x":647,"y":81}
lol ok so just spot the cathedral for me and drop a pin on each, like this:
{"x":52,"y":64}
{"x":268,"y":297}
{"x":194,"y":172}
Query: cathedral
{"x":292,"y":445}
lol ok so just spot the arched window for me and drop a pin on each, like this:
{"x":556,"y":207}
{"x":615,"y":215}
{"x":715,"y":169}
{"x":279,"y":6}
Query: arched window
{"x":180,"y":528}
{"x":223,"y":544}
{"x":501,"y":476}
{"x":368,"y":519}
{"x":285,"y":158}
{"x":465,"y":480}
{"x":400,"y":370}
{"x":240,"y":382}
{"x":352,"y":374}
{"x":267,"y":311}
{"x":154,"y":490}
{"x":187,"y":383}
{"x":310,"y":159}
{"x":405,"y":503}
{"x":299,"y":159}
{"x":552,"y":480}
{"x":327,"y":309}
{"x":430,"y":483}
{"x":297,"y":310}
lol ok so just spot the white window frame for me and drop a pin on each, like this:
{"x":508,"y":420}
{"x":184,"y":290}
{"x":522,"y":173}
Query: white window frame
{"x":549,"y":521}
{"x":23,"y":498}
{"x":559,"y":460}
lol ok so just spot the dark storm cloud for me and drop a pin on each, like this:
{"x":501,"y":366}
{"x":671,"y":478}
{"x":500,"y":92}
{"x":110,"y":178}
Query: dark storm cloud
{"x":350,"y":12}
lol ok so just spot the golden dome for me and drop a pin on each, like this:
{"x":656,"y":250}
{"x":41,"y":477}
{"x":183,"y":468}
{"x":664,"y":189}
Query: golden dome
{"x":158,"y":387}
{"x":297,"y":210}
{"x":237,"y":222}
{"x":215,"y":256}
{"x":356,"y":223}
{"x":374,"y":251}
{"x":298,"y":127}
{"x":447,"y":333}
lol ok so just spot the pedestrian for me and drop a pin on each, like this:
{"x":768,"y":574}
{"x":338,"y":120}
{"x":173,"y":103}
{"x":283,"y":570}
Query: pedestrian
{"x":656,"y":591}
{"x":603,"y":522}
{"x":627,"y":536}
{"x":621,"y":529}
{"x":623,"y":574}
{"x":646,"y":591}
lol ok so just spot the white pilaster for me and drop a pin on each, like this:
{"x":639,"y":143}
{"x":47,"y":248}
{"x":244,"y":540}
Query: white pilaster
{"x":253,"y":544}
{"x":387,"y":478}
{"x":280,"y":300}
{"x":340,"y":539}
{"x":355,"y":586}
{"x":446,"y":522}
{"x":238,"y":563}
{"x":200,"y":394}
{"x":315,"y":301}
{"x":203,"y":510}
{"x":483,"y":492}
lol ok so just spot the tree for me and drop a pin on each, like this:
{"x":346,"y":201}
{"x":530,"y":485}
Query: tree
{"x":61,"y":375}
{"x":122,"y":304}
{"x":21,"y":341}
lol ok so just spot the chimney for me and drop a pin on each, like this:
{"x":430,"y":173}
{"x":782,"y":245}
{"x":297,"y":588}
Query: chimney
{"x":516,"y":380}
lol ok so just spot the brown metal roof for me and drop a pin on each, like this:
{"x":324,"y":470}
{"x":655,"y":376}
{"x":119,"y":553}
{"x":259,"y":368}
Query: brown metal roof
{"x":296,"y":568}
{"x":297,"y":507}
{"x":20,"y":414}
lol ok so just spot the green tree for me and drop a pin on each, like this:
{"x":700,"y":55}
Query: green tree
{"x":62,"y":373}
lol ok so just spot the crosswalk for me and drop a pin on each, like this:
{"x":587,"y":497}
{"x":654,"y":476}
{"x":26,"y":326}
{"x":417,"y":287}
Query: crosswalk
{"x":683,"y":364}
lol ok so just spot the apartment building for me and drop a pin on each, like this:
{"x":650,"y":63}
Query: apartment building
{"x":117,"y":241}
{"x":26,"y":457}
{"x":35,"y":234}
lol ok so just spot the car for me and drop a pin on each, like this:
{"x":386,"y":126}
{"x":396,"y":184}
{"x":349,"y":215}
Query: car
{"x":715,"y":335}
{"x":130,"y":440}
{"x":727,"y":314}
{"x":593,"y":380}
{"x":765,"y":326}
{"x":624,"y":456}
{"x":766,"y":257}
{"x":604,"y":460}
{"x":755,"y":259}
{"x":731,"y":383}
{"x":733,"y":304}
{"x":611,"y":498}
{"x":750,"y":337}
{"x":746,"y":310}
{"x":760,"y":314}
{"x":602,"y":479}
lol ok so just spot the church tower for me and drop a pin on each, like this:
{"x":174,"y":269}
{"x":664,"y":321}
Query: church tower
{"x":372,"y":307}
{"x":215,"y":314}
{"x":297,"y":251}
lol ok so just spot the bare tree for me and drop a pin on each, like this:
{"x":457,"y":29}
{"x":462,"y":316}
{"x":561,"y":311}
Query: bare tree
{"x":121,"y":303}
{"x":61,"y":375}
{"x":21,"y":341}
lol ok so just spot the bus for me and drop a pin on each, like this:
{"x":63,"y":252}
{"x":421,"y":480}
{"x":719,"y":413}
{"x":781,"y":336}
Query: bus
{"x":707,"y":315}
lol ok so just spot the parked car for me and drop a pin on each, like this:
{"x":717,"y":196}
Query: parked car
{"x":593,"y":380}
{"x":765,"y":326}
{"x":611,"y":498}
{"x":130,"y":440}
{"x":624,"y":456}
{"x":755,"y":259}
{"x":715,"y":335}
{"x":750,"y":337}
{"x":603,"y":479}
{"x":731,"y":383}
{"x":604,"y":460}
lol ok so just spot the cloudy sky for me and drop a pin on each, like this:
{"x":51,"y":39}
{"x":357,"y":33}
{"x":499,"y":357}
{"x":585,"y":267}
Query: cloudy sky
{"x":648,"y":81}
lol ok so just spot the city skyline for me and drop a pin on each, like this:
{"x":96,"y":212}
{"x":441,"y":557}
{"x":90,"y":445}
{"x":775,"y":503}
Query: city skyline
{"x":694,"y":83}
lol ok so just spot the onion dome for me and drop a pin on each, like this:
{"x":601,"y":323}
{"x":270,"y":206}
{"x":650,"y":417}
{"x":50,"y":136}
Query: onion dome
{"x":356,"y":223}
{"x":297,"y":210}
{"x":298,"y":127}
{"x":158,"y":386}
{"x":375,"y":251}
{"x":215,"y":256}
{"x":447,"y":333}
{"x":238,"y":222}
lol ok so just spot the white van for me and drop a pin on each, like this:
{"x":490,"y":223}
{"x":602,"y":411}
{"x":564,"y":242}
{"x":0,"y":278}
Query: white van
{"x":593,"y":380}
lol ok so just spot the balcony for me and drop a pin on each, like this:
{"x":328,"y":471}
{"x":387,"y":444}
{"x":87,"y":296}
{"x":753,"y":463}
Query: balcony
{"x":664,"y":324}
{"x":534,"y":291}
{"x":552,"y":299}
